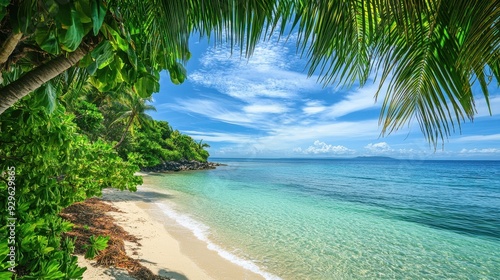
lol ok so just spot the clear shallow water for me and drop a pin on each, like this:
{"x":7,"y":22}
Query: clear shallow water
{"x":345,"y":219}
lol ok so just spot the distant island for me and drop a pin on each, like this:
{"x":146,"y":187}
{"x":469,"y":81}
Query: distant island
{"x":375,"y":158}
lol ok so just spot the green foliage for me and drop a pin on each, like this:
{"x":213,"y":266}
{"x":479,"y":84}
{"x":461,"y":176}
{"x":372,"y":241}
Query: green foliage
{"x":96,"y":245}
{"x":98,"y":12}
{"x":177,"y":73}
{"x":60,"y":25}
{"x":4,"y":251}
{"x":60,"y":138}
{"x":159,"y":143}
{"x":48,"y":97}
{"x":55,"y":166}
{"x":3,"y":8}
{"x":88,"y":118}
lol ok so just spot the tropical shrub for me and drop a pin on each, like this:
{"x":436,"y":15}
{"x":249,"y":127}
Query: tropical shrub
{"x":51,"y":167}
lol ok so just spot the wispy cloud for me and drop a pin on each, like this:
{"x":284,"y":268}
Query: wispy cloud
{"x":266,"y":75}
{"x":221,"y":137}
{"x":265,"y":108}
{"x":482,"y":107}
{"x":313,"y":107}
{"x":330,"y":130}
{"x":213,"y":110}
{"x":480,"y":151}
{"x":357,"y":100}
{"x":478,"y":138}
{"x":292,"y":138}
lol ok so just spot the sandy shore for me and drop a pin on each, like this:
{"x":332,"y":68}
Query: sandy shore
{"x":168,"y":249}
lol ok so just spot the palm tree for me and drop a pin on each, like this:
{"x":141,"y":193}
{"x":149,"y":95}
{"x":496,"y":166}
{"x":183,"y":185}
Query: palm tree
{"x":134,"y":114}
{"x":429,"y":52}
{"x":200,"y":150}
{"x":202,"y":146}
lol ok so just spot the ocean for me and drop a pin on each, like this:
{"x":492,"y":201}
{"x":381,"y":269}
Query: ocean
{"x":365,"y":218}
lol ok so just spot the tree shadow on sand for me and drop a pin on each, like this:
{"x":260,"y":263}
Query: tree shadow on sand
{"x":172,"y":275}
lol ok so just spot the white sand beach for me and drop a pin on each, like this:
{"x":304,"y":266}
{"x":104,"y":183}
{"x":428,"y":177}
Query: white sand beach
{"x":167,"y":248}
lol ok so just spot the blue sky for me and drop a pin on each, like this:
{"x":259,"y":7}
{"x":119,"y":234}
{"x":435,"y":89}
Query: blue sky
{"x":266,"y":106}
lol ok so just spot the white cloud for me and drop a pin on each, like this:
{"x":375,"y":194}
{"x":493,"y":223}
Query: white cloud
{"x":358,"y":100}
{"x":480,"y":151}
{"x":482,"y":107}
{"x":313,"y":107}
{"x":265,"y":108}
{"x":283,"y":138}
{"x":381,"y":147}
{"x":323,"y":148}
{"x":221,"y":137}
{"x":266,"y":74}
{"x":478,"y":138}
{"x":324,"y":130}
{"x":213,"y":110}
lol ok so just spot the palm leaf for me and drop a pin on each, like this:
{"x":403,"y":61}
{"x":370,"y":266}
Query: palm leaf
{"x":429,"y":80}
{"x":430,"y":52}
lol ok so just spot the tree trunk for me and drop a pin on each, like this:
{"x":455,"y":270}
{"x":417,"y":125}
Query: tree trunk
{"x":125,"y":133}
{"x":32,"y":80}
{"x":8,"y":46}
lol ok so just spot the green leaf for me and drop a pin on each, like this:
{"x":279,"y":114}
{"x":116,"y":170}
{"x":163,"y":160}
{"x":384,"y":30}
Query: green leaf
{"x":51,"y":271}
{"x":47,"y":97}
{"x":108,"y":76}
{"x":96,"y":244}
{"x":72,"y":37}
{"x":6,"y":275}
{"x":21,"y":18}
{"x":98,"y":12}
{"x":132,"y":57}
{"x":3,"y":8}
{"x":146,"y":86}
{"x":86,"y":61}
{"x":177,"y":73}
{"x":75,"y":272}
{"x":101,"y":242}
{"x":51,"y":7}
{"x":92,"y":68}
{"x":115,"y":38}
{"x":84,"y":10}
{"x":47,"y":40}
{"x":103,"y":54}
{"x":47,"y":250}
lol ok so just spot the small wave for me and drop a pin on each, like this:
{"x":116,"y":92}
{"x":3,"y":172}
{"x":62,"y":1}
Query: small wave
{"x":201,"y":231}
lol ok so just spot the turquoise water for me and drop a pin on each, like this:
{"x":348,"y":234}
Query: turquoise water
{"x":345,"y":219}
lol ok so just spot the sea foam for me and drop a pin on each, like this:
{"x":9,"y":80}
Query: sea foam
{"x":201,"y":232}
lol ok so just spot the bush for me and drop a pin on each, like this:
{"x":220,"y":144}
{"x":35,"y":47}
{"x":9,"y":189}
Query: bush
{"x":53,"y":167}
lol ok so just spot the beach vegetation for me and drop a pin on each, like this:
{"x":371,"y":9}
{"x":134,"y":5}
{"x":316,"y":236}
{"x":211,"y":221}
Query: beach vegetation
{"x":55,"y":166}
{"x":96,"y":244}
{"x":62,"y":156}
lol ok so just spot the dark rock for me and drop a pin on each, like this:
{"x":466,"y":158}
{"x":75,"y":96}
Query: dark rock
{"x":183,"y":165}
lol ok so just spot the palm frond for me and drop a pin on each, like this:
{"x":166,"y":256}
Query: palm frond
{"x":430,"y":82}
{"x":429,"y":51}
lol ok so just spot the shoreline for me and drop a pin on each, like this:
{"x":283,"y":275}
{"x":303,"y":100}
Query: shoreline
{"x":167,"y":248}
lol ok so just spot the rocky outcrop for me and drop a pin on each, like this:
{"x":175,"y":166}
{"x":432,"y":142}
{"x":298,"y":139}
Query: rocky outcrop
{"x":184,"y":165}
